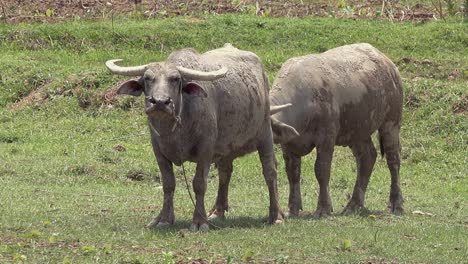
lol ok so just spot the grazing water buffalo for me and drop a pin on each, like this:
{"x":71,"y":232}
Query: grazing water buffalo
{"x":205,"y":108}
{"x":339,"y":97}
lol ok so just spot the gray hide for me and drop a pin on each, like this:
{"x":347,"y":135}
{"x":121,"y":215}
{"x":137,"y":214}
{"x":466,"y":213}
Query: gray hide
{"x":220,"y":120}
{"x":339,"y":97}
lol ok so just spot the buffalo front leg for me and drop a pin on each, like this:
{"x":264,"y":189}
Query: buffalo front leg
{"x":166,"y":216}
{"x":293,"y":170}
{"x":221,"y":205}
{"x":390,"y":140}
{"x":322,"y":173}
{"x":365,"y":155}
{"x":200,"y":220}
{"x":267,"y":158}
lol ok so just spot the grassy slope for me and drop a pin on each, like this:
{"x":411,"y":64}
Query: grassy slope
{"x":65,"y":193}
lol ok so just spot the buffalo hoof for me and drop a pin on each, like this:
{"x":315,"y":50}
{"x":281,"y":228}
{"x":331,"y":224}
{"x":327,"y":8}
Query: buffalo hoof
{"x":397,"y":210}
{"x":396,"y":204}
{"x":213,"y":217}
{"x":202,"y":228}
{"x":215,"y":214}
{"x":352,"y":209}
{"x":292,"y":214}
{"x":279,"y":219}
{"x":157,"y":224}
{"x":278,"y":222}
{"x":322,"y":212}
{"x":162,"y":225}
{"x":153,"y":223}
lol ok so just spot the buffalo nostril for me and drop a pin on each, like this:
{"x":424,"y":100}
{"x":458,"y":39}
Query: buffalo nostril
{"x":151,"y":99}
{"x":159,"y":101}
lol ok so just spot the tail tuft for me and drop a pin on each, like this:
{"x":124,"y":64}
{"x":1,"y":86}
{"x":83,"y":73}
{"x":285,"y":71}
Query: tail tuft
{"x":382,"y":150}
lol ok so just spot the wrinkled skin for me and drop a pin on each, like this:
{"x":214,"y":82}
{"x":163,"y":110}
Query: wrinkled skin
{"x":220,"y":120}
{"x":340,"y":97}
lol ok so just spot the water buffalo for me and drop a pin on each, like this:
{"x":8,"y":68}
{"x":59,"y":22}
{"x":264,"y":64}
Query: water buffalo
{"x":339,"y":97}
{"x":205,"y":108}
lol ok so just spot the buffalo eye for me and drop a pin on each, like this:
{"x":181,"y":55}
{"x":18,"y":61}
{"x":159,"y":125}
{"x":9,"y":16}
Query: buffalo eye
{"x":148,"y":78}
{"x":174,"y":79}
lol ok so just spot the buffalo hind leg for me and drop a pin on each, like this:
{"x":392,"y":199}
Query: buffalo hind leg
{"x":390,"y":140}
{"x":267,"y":158}
{"x":166,"y":216}
{"x":322,"y":173}
{"x":365,"y":155}
{"x":293,"y":170}
{"x":200,"y":220}
{"x":222,"y":205}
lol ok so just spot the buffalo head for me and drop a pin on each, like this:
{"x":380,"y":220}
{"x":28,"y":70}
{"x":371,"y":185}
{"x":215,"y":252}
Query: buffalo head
{"x":163,"y":83}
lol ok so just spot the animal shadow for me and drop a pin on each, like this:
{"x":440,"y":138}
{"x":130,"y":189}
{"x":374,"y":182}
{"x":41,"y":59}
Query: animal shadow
{"x":242,"y":222}
{"x":364,"y":213}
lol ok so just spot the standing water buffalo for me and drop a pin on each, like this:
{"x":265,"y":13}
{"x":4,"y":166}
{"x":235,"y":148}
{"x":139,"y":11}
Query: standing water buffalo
{"x":339,"y":97}
{"x":224,"y":115}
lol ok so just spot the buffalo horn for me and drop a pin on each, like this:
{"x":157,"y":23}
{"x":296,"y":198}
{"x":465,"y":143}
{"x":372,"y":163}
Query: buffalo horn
{"x":278,"y":108}
{"x":126,"y":71}
{"x":202,"y":76}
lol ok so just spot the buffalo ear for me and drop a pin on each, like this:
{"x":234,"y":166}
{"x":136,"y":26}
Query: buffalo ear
{"x":132,"y":87}
{"x":194,"y":89}
{"x":282,"y":133}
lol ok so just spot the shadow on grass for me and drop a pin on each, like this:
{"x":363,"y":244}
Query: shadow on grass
{"x":243,"y":222}
{"x":364,"y":212}
{"x":240,"y":222}
{"x":218,"y":224}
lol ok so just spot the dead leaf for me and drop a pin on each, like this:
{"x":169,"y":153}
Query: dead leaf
{"x":418,"y":212}
{"x":119,"y":148}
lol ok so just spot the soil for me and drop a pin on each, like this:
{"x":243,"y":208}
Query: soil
{"x":17,"y":11}
{"x":37,"y":96}
{"x":461,"y":106}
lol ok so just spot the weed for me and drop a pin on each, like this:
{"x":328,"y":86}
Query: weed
{"x":136,"y":175}
{"x":9,"y":139}
{"x":79,"y":170}
{"x":88,"y":250}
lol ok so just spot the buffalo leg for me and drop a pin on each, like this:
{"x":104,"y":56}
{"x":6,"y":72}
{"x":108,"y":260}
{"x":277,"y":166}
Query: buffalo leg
{"x":200,"y":220}
{"x":221,"y":205}
{"x":390,"y":140}
{"x":166,"y":215}
{"x":267,"y":158}
{"x":365,"y":155}
{"x":322,"y":173}
{"x":293,"y":170}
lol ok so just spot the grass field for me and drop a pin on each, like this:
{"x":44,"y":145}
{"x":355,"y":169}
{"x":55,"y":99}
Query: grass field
{"x":78,"y":180}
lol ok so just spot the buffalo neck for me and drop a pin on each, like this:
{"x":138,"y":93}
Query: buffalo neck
{"x":163,"y":127}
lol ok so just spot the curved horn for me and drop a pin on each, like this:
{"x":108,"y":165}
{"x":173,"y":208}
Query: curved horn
{"x":126,"y":71}
{"x":278,"y":108}
{"x":202,"y":76}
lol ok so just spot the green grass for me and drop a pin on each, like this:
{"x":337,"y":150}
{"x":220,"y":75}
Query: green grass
{"x":66,"y":194}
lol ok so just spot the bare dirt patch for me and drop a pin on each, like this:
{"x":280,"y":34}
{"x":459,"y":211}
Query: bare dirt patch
{"x":201,"y":261}
{"x":35,"y":97}
{"x":16,"y":11}
{"x":427,"y":68}
{"x":378,"y":261}
{"x":461,"y":106}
